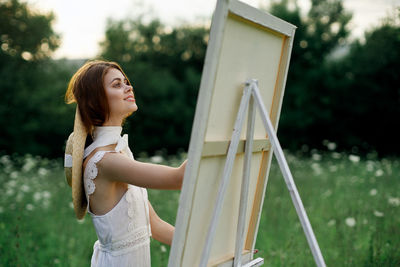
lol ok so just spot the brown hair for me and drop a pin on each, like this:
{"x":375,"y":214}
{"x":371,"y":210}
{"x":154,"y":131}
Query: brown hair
{"x":87,"y":90}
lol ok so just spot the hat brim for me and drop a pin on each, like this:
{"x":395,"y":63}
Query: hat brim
{"x":78,"y":191}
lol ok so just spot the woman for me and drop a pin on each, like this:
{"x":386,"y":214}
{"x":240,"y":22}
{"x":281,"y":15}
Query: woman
{"x":114,"y":185}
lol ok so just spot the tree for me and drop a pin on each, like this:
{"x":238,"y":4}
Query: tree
{"x":370,"y":89}
{"x":306,"y":111}
{"x":165,"y":67}
{"x":30,"y":84}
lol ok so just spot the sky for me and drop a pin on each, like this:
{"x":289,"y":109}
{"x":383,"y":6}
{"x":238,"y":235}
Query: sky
{"x":82,"y":23}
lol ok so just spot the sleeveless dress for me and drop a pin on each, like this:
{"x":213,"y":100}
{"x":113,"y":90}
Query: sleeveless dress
{"x":124,"y":232}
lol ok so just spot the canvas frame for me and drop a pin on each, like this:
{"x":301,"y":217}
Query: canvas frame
{"x":198,"y":148}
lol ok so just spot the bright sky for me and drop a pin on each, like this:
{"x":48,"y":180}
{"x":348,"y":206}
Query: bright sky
{"x":81,"y":23}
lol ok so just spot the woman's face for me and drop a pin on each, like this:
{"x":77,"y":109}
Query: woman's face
{"x":121,"y":99}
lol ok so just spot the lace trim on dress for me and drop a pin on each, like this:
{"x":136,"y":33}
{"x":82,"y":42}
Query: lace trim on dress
{"x":138,"y":238}
{"x":91,"y":171}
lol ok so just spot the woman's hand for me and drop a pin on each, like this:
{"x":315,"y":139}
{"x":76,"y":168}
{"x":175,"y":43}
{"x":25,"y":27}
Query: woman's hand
{"x":160,"y":230}
{"x":181,"y":173}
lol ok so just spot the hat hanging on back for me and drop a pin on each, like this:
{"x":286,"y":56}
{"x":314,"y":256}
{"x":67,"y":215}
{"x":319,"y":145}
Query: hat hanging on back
{"x":73,"y":165}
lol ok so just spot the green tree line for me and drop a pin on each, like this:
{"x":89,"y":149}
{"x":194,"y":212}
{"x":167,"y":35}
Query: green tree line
{"x":351,"y":99}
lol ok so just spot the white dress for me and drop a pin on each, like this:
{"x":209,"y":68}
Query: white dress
{"x":124,"y":232}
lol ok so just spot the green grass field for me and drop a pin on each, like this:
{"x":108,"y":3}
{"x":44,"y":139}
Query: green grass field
{"x":353,"y":205}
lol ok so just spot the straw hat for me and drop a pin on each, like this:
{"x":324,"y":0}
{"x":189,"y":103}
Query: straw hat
{"x":73,"y":165}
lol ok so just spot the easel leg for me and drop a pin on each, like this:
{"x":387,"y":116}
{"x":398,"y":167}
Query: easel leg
{"x":226,"y":175}
{"x":288,"y":178}
{"x":240,"y":235}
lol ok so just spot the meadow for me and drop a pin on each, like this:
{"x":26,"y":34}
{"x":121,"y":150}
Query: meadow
{"x":353,"y":205}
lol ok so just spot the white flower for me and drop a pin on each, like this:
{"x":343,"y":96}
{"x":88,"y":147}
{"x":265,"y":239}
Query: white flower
{"x":373,"y":192}
{"x":42,"y":171}
{"x":163,"y":248}
{"x":394,"y":201}
{"x":354,"y":158}
{"x":12,"y":183}
{"x":46,"y":194}
{"x":156,"y":159}
{"x":9,"y":192}
{"x":316,"y":168}
{"x":25,"y":188}
{"x":378,"y":173}
{"x":351,"y":222}
{"x":370,"y":165}
{"x":378,"y":213}
{"x":29,"y":164}
{"x":71,"y":205}
{"x":5,"y":159}
{"x":336,"y":155}
{"x":331,"y":146}
{"x":29,"y":207}
{"x":316,"y":157}
{"x":14,"y":174}
{"x":37,"y":196}
{"x":332,"y":222}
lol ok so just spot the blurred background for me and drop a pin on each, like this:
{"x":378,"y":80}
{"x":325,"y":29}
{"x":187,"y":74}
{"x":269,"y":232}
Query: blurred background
{"x":341,"y":88}
{"x":338,"y":121}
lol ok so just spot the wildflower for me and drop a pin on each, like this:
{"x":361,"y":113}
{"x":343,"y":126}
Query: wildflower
{"x":29,"y":206}
{"x":316,"y":168}
{"x":373,"y":192}
{"x":378,"y":173}
{"x":354,"y":158}
{"x":71,"y":205}
{"x":394,"y":201}
{"x":37,"y":196}
{"x":46,"y":194}
{"x":12,"y":184}
{"x":351,"y":222}
{"x":378,"y":213}
{"x":336,"y":155}
{"x":332,"y":222}
{"x":5,"y":160}
{"x":316,"y":157}
{"x":25,"y":188}
{"x":370,"y":165}
{"x":163,"y":249}
{"x":14,"y":175}
{"x":42,"y":171}
{"x":29,"y":164}
{"x":10,"y":192}
{"x":331,"y":146}
{"x":156,"y":159}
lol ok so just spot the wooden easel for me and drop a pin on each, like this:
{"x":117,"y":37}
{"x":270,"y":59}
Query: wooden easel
{"x":251,"y":94}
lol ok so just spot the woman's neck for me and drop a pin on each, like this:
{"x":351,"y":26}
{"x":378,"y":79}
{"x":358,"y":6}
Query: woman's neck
{"x":113,"y":122}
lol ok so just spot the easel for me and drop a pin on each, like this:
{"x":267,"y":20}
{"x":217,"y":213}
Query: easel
{"x":251,"y":93}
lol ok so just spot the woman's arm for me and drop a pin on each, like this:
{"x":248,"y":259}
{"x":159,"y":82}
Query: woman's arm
{"x":161,"y":230}
{"x":118,"y":167}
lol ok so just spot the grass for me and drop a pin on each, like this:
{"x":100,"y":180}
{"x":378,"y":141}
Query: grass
{"x":353,"y":205}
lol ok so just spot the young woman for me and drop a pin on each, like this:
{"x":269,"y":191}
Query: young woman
{"x":106,"y":180}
